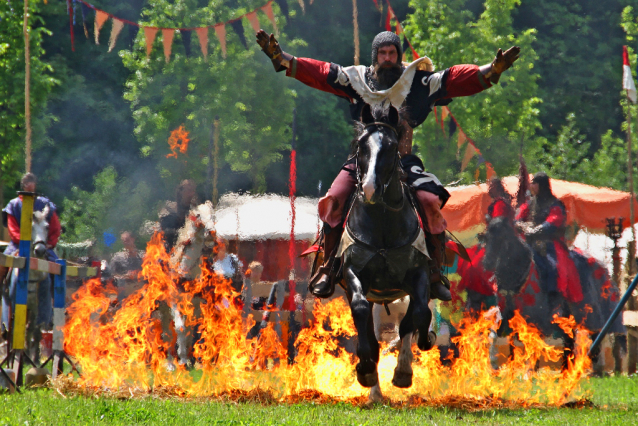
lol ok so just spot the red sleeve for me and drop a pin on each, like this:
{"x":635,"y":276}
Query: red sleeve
{"x":500,"y":209}
{"x":556,"y":216}
{"x":523,"y":212}
{"x":54,"y":230}
{"x":314,"y":74}
{"x":14,"y":228}
{"x":465,"y":80}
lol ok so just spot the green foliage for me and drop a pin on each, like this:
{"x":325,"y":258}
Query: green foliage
{"x":502,"y":118}
{"x":12,"y":84}
{"x":115,"y":204}
{"x":252,"y":102}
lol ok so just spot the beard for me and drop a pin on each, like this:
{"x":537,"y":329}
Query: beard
{"x":387,"y":76}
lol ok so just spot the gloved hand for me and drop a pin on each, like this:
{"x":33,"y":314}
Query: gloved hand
{"x":270,"y":46}
{"x":501,"y":62}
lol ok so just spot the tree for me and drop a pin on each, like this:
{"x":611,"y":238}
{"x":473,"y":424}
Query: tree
{"x":499,"y":120}
{"x":12,"y":79}
{"x":252,"y":102}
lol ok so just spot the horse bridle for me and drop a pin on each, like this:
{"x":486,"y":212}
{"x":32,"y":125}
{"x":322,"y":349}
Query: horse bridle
{"x":397,"y":159}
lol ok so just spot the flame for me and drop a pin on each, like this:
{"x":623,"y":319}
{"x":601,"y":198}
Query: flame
{"x":126,"y":349}
{"x":178,"y":141}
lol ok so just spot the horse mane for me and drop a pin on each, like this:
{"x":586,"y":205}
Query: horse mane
{"x":381,"y":116}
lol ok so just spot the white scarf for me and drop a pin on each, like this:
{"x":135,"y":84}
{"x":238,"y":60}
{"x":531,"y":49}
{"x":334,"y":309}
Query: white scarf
{"x":355,"y":76}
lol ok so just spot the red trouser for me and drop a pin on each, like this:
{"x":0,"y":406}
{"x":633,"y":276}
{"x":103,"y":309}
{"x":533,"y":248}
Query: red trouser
{"x":332,"y":204}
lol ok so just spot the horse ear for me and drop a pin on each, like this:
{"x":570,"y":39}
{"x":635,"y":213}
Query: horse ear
{"x":393,"y":116}
{"x":366,"y":114}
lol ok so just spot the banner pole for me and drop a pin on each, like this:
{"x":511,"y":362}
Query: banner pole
{"x":630,"y":173}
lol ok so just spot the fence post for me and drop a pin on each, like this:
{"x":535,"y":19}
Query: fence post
{"x":59,"y":309}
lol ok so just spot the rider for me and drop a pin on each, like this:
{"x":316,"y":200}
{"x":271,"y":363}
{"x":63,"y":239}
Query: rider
{"x":11,"y":216}
{"x":388,"y":81}
{"x":501,"y":201}
{"x":543,"y":221}
{"x":172,"y":217}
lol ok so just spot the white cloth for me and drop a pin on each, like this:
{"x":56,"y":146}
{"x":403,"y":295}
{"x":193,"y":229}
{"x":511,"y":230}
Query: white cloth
{"x":355,"y":76}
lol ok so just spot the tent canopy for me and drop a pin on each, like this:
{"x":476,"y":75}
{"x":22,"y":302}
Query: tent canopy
{"x":265,"y":217}
{"x":586,"y":205}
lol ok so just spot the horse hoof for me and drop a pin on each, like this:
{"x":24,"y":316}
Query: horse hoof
{"x":430,"y":341}
{"x":401,"y":379}
{"x":368,"y":380}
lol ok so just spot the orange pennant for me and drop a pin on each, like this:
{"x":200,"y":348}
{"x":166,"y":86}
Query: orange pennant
{"x":436,"y":116}
{"x":445,"y":111}
{"x":167,"y":39}
{"x":399,"y":28}
{"x":254,"y":20}
{"x":202,"y":35}
{"x":462,"y":139}
{"x":149,"y":34}
{"x":303,"y":6}
{"x":490,"y":171}
{"x":267,"y":9}
{"x":220,"y":31}
{"x":100,"y":19}
{"x":115,"y":31}
{"x":469,"y":153}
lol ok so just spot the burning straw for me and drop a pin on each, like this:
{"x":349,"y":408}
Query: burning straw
{"x":125,"y":353}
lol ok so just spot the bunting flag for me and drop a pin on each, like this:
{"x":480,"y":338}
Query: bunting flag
{"x":267,"y":9}
{"x":168,"y":33}
{"x":388,"y":19}
{"x":220,"y":31}
{"x":167,"y":40}
{"x":444,"y":113}
{"x":115,"y":32}
{"x":71,"y":11}
{"x":149,"y":34}
{"x":627,"y":79}
{"x":462,"y":139}
{"x":303,"y":6}
{"x":490,"y":171}
{"x":451,"y":127}
{"x":100,"y":19}
{"x":254,"y":20}
{"x":436,"y":116}
{"x":186,"y":41}
{"x":469,"y":153}
{"x":238,"y":27}
{"x":202,"y":35}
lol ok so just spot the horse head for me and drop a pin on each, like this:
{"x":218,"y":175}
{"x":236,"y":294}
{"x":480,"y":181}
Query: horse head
{"x":40,"y":232}
{"x":506,"y":254}
{"x":377,"y":152}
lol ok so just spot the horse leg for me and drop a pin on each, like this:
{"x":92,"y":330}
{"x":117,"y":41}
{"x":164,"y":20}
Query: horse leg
{"x":361,"y":311}
{"x":568,"y":351}
{"x":403,"y":372}
{"x":375,"y":391}
{"x":421,"y":314}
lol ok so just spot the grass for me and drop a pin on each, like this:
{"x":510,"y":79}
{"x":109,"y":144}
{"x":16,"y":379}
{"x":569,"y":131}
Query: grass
{"x":615,"y":399}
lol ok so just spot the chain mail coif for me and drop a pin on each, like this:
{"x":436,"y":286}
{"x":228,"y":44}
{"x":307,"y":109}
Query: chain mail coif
{"x":384,"y":38}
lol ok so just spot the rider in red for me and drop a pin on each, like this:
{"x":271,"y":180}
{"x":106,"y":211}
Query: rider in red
{"x":414,"y":89}
{"x":545,"y":232}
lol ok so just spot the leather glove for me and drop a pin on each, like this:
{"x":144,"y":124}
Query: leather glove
{"x":501,"y":62}
{"x":270,"y":46}
{"x":536,"y":230}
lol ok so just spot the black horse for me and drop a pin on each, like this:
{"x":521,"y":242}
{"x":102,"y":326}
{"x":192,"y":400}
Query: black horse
{"x":523,"y":288}
{"x":383,"y":248}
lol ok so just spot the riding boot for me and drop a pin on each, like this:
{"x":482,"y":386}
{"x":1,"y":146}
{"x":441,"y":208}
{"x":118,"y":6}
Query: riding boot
{"x":322,"y":283}
{"x":439,"y":284}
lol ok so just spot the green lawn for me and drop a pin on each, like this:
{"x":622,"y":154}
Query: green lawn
{"x":615,"y":398}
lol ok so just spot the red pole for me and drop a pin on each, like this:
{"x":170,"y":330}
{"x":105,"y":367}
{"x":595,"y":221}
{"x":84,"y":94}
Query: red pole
{"x":292,"y":187}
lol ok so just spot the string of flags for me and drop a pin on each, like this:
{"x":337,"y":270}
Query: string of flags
{"x":470,"y":149}
{"x":168,"y":34}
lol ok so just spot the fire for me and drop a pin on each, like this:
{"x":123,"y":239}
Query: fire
{"x":178,"y":141}
{"x":125,"y":349}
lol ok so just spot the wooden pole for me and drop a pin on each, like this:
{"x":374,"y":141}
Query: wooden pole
{"x":355,"y":21}
{"x":216,"y":160}
{"x":27,"y":89}
{"x":630,"y":171}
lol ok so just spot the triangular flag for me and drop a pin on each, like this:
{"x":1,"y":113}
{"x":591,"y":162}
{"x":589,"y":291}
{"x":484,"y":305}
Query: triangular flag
{"x":85,"y":11}
{"x":283,"y":6}
{"x":388,"y":20}
{"x":451,"y":125}
{"x":254,"y":20}
{"x":149,"y":34}
{"x":202,"y":35}
{"x":627,"y":79}
{"x":476,"y":175}
{"x":100,"y":19}
{"x":220,"y":32}
{"x":469,"y":153}
{"x":480,"y":160}
{"x":267,"y":9}
{"x":303,"y":6}
{"x":167,"y":39}
{"x":115,"y":31}
{"x":436,"y":116}
{"x":238,"y":27}
{"x":444,"y":113}
{"x":186,"y":41}
{"x":462,"y":139}
{"x":490,"y":171}
{"x":399,"y":28}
